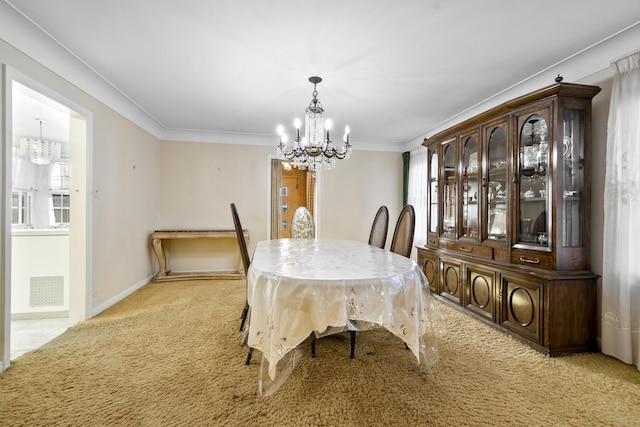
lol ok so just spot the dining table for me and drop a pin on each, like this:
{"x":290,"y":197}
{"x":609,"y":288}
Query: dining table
{"x":299,"y":287}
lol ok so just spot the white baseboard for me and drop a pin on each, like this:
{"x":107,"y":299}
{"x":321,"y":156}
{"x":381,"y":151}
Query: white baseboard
{"x":122,"y":295}
{"x":40,"y":315}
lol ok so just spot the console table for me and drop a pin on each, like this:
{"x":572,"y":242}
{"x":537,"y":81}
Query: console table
{"x":164,"y":273}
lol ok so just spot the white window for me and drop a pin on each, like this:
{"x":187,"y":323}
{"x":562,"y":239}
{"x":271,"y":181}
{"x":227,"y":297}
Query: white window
{"x":21,"y":205}
{"x":59,"y":184}
{"x":60,"y":173}
{"x":61,"y":212}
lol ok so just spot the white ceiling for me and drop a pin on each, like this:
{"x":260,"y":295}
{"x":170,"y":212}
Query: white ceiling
{"x":30,"y":108}
{"x":393,"y":70}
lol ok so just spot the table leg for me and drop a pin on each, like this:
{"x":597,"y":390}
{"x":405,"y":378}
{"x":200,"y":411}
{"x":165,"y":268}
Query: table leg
{"x":163,"y":265}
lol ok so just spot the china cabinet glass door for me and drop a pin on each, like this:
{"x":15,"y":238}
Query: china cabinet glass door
{"x":533,"y":167}
{"x":470,"y":189}
{"x":433,"y":192}
{"x":497,"y":185}
{"x":572,"y":158}
{"x":449,"y":196}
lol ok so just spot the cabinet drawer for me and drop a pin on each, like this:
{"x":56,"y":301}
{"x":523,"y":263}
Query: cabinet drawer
{"x":532,"y":258}
{"x":432,"y":241}
{"x":468,"y":249}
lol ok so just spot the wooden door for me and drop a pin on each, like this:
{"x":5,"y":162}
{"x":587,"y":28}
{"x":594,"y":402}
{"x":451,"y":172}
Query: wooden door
{"x":293,"y":195}
{"x":521,"y":311}
{"x":480,"y":293}
{"x":451,"y":280}
{"x":428,"y":262}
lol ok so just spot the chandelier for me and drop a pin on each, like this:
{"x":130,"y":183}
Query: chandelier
{"x":40,"y":151}
{"x":315,"y":149}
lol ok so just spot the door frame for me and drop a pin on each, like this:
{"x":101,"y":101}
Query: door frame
{"x":318,"y":208}
{"x":80,"y":236}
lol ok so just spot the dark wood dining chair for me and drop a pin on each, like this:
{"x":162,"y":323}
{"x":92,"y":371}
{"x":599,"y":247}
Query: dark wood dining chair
{"x":401,"y":244}
{"x":246,"y":261}
{"x":244,"y":254}
{"x":377,"y":238}
{"x":402,"y":240}
{"x":379,"y":228}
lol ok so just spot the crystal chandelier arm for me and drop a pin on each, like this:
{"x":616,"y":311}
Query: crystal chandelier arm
{"x":297,"y":124}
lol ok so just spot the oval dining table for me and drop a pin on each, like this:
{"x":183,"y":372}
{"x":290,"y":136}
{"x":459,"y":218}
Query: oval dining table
{"x":296,"y":287}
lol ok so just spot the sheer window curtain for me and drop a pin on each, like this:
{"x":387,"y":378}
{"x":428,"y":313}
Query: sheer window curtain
{"x":417,"y":192}
{"x":621,"y":242}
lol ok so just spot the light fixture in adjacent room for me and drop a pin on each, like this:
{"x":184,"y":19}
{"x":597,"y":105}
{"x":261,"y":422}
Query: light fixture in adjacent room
{"x":39,"y":150}
{"x":315,"y":149}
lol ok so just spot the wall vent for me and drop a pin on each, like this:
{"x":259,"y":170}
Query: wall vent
{"x":46,"y":291}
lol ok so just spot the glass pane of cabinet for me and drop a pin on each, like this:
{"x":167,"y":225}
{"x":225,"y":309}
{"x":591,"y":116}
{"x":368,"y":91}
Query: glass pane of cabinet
{"x":573,"y":163}
{"x":470,"y":189}
{"x":433,"y":192}
{"x":497,"y":185}
{"x":449,"y":191}
{"x":533,"y":167}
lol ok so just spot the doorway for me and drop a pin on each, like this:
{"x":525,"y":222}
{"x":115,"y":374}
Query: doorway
{"x":46,"y":203}
{"x":290,"y":188}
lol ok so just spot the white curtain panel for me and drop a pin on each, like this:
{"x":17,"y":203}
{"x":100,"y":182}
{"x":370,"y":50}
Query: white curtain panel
{"x":417,"y":192}
{"x":621,"y":270}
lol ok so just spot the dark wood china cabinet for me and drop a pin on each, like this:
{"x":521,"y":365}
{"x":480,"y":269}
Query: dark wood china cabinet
{"x":509,"y":218}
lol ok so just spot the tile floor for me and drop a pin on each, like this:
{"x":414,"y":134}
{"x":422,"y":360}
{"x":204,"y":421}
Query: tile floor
{"x":29,"y":334}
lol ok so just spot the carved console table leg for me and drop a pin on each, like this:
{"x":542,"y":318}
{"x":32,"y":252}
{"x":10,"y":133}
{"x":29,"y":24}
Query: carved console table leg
{"x":163,"y":266}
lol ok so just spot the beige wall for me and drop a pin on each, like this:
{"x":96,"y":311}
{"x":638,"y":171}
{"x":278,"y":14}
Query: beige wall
{"x":200,"y":180}
{"x":124,"y":174}
{"x":353,"y":192}
{"x":125,"y":199}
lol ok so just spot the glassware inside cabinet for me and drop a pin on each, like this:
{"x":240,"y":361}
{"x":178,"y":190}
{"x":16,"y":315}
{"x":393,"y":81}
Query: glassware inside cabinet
{"x":497,"y":185}
{"x":449,"y":196}
{"x":433,"y":192}
{"x":573,"y":180}
{"x":470,"y":189}
{"x":533,"y":168}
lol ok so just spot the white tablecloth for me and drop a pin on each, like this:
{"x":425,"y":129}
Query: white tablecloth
{"x":300,"y":286}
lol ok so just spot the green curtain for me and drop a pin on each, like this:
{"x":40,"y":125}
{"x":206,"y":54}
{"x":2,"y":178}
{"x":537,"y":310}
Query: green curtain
{"x":405,"y":177}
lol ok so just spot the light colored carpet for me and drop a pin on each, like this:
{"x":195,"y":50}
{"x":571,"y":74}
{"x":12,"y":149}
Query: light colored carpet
{"x":169,"y":355}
